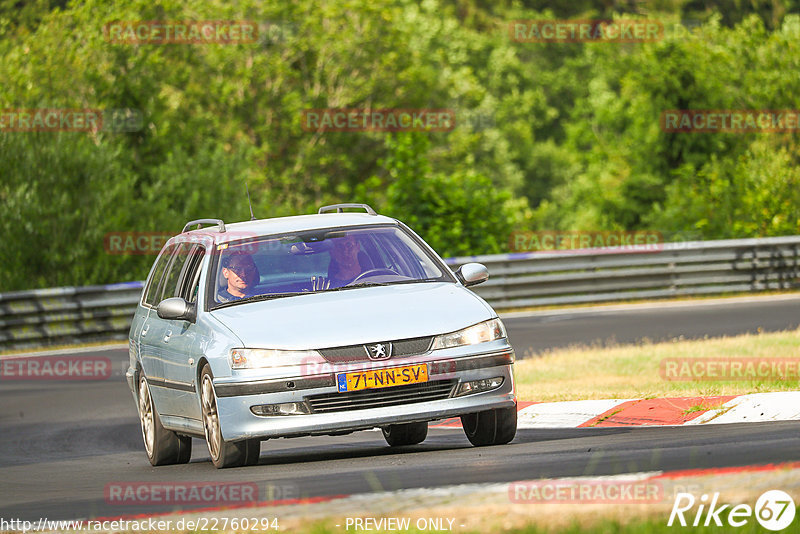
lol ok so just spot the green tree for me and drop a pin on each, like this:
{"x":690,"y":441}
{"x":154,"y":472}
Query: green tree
{"x":458,"y":215}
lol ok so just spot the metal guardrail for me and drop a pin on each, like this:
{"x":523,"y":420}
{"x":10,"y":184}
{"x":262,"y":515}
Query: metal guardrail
{"x":67,"y":315}
{"x":78,"y":314}
{"x":668,"y":270}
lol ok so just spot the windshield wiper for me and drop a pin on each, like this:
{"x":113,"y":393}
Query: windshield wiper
{"x":395,"y":283}
{"x":367,"y":284}
{"x":269,"y":296}
{"x":360,"y":284}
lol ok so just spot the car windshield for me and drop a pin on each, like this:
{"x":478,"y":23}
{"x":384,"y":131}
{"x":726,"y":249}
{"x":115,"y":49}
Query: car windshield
{"x":320,"y":260}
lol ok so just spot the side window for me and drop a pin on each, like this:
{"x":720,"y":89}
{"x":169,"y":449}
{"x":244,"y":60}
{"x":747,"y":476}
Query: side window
{"x":190,"y":281}
{"x":170,"y":286}
{"x":154,"y":283}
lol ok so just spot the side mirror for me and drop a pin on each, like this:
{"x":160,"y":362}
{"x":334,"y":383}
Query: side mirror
{"x":472,"y":274}
{"x":177,"y":308}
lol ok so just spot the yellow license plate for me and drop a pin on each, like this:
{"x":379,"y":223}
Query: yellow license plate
{"x":382,"y":378}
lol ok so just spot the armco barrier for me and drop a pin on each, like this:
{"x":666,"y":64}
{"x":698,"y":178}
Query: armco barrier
{"x":67,"y":315}
{"x":675,"y":269}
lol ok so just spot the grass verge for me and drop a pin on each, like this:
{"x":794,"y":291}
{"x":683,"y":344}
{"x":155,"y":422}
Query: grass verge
{"x":634,"y":371}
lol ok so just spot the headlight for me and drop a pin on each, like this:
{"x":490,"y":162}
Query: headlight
{"x":257,"y":358}
{"x":479,"y":333}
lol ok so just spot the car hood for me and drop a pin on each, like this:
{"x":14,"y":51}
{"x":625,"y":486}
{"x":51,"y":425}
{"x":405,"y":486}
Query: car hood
{"x":355,"y":316}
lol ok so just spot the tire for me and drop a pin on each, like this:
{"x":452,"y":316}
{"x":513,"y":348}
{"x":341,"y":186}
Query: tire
{"x":492,"y":427}
{"x":223,"y":453}
{"x":162,"y":446}
{"x":405,"y":434}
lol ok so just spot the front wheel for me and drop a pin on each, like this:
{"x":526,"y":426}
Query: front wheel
{"x":163,"y":447}
{"x":223,"y":453}
{"x":405,"y":434}
{"x":492,"y":427}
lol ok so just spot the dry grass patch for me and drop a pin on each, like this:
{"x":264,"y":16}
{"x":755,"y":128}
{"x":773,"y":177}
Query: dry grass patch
{"x":633,"y":371}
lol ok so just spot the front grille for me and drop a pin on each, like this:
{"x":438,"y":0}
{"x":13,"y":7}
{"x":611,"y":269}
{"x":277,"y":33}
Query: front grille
{"x":357,"y":353}
{"x":379,"y":398}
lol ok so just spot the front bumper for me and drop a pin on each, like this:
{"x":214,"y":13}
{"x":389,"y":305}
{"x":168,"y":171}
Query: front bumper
{"x":235,"y":397}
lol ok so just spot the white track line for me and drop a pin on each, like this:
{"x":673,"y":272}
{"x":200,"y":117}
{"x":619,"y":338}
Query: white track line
{"x":568,"y":414}
{"x":753,"y":408}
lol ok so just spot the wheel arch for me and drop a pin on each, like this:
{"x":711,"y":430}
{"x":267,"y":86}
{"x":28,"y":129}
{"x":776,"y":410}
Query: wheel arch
{"x":201,"y":363}
{"x":138,"y":371}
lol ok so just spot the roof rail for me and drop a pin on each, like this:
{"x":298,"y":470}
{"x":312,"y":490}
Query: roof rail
{"x":339,"y":208}
{"x":218,"y":222}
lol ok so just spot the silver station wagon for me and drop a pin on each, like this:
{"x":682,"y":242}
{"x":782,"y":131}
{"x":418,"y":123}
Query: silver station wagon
{"x":311,"y":325}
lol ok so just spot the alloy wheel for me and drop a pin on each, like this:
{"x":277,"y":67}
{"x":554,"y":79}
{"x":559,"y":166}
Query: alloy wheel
{"x":146,"y":416}
{"x":210,"y":417}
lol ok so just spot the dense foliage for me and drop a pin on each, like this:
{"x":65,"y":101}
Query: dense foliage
{"x":548,"y":135}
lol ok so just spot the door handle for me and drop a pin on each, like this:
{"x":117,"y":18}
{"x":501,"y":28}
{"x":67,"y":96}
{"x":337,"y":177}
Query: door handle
{"x":167,"y":336}
{"x":145,"y":329}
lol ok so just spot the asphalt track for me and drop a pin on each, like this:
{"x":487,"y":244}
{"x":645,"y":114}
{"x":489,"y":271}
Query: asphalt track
{"x":533,"y":333}
{"x":62,"y":443}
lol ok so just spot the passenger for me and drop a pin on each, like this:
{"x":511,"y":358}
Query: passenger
{"x":241,"y":274}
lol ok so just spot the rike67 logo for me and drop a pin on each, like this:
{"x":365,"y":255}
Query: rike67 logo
{"x":774,"y":510}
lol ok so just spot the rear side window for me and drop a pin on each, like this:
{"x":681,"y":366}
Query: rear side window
{"x":172,"y":278}
{"x":190,"y":280}
{"x":154,"y":283}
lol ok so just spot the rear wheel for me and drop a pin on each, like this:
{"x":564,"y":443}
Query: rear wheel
{"x":223,"y":453}
{"x":163,"y":447}
{"x":405,"y":434}
{"x":492,"y":427}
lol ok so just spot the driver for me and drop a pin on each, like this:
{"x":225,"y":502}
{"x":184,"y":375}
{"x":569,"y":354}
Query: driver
{"x":344,"y":266}
{"x":241,"y":274}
